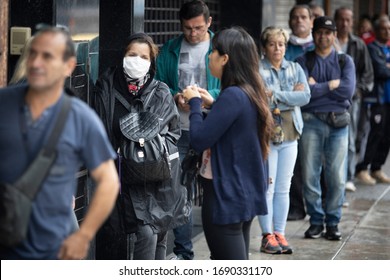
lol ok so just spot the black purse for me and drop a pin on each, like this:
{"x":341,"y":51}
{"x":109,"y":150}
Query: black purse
{"x":190,"y":167}
{"x":339,"y":120}
{"x":336,"y":120}
{"x":16,"y":199}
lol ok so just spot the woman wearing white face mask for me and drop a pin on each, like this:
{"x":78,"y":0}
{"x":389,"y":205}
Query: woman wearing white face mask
{"x":144,"y":212}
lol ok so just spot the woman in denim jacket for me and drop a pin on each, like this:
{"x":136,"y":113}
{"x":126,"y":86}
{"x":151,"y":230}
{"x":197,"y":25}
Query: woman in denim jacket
{"x":287,"y":89}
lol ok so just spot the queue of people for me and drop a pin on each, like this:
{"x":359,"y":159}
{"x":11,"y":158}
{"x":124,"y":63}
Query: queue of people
{"x":280,"y":135}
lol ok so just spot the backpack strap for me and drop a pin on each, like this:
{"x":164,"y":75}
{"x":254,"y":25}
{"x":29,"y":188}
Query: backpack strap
{"x":149,"y":97}
{"x":122,"y":100}
{"x":127,"y":104}
{"x":310,"y":60}
{"x":342,"y":59}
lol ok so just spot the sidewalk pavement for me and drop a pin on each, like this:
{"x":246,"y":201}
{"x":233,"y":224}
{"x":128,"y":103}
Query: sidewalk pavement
{"x":365,"y":228}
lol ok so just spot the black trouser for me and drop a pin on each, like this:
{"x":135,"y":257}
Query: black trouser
{"x":378,"y":143}
{"x":297,"y":207}
{"x":226,"y":242}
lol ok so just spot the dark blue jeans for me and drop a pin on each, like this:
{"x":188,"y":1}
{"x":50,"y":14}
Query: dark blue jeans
{"x":183,"y":234}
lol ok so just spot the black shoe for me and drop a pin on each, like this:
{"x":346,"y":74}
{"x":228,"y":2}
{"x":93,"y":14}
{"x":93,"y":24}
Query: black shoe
{"x":296,"y":216}
{"x":332,"y":233}
{"x":314,"y":231}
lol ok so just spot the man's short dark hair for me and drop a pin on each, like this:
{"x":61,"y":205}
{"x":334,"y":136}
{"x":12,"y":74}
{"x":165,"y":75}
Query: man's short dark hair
{"x":70,"y":50}
{"x":300,"y":6}
{"x":194,"y":9}
{"x":337,"y":11}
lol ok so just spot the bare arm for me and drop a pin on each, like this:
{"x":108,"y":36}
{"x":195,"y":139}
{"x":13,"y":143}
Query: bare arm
{"x":77,"y":244}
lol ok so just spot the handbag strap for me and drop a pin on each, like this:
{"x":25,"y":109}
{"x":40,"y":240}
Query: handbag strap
{"x":32,"y":178}
{"x":127,"y":104}
{"x":277,"y":116}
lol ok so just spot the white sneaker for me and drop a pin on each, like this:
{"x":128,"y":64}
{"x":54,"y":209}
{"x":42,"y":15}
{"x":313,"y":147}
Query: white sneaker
{"x":350,"y":186}
{"x":177,"y":257}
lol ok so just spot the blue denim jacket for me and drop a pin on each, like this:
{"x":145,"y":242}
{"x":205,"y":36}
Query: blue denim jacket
{"x":282,"y":83}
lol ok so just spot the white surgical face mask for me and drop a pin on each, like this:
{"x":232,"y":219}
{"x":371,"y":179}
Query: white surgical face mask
{"x":135,"y":66}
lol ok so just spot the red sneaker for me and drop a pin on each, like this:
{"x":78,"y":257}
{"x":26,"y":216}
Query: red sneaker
{"x":269,"y":245}
{"x":286,"y":249}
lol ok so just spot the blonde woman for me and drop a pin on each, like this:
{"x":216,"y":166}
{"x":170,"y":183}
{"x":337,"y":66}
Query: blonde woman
{"x":19,"y":74}
{"x":287,"y":87}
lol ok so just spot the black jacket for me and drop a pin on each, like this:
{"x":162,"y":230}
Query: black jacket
{"x":162,"y":205}
{"x":357,"y":49}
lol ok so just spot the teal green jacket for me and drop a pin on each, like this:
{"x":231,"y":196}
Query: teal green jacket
{"x":168,"y":67}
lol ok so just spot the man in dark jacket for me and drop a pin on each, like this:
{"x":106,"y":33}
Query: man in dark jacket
{"x":378,"y":143}
{"x":354,"y":46}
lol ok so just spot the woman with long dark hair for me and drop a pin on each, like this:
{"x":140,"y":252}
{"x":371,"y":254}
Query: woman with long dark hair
{"x":234,"y":139}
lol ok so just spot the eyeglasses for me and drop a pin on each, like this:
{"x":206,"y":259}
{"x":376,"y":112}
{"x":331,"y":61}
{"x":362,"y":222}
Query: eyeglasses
{"x":196,"y":29}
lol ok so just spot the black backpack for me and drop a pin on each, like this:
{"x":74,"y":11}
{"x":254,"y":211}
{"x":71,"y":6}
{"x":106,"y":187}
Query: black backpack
{"x":143,"y":152}
{"x":310,"y":60}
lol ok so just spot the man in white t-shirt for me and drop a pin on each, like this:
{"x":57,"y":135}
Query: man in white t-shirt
{"x":183,"y":61}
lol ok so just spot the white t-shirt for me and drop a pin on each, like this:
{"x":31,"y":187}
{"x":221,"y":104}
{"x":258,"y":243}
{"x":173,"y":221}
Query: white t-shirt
{"x":192,"y":70}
